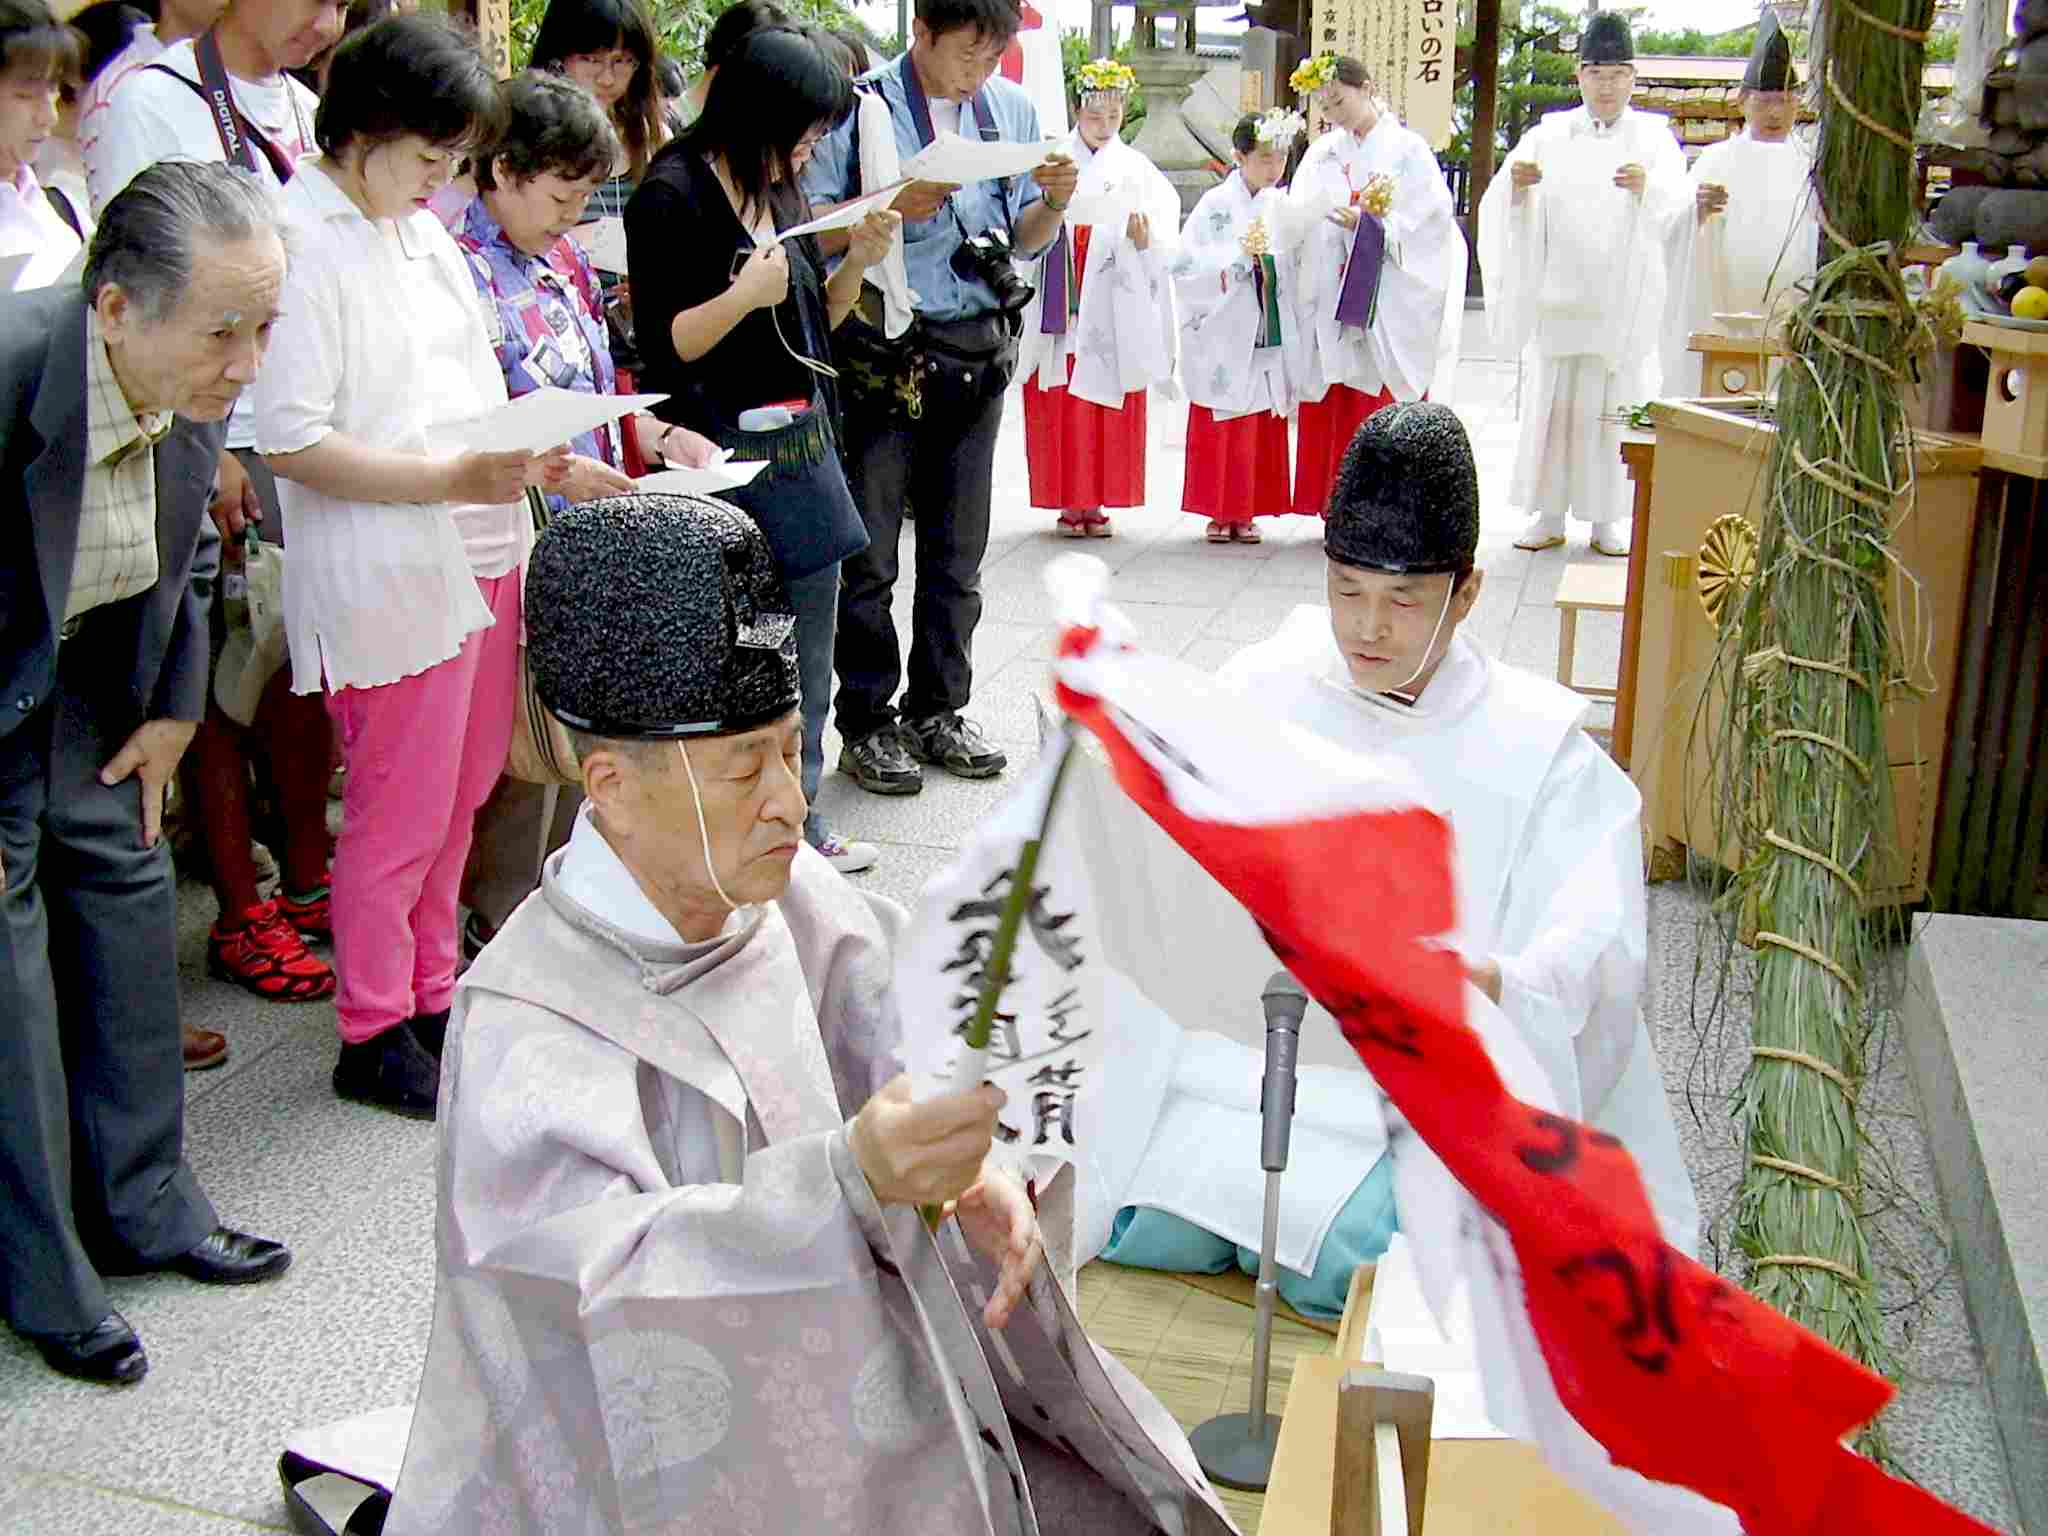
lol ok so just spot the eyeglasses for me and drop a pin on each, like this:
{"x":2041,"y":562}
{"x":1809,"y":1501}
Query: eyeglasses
{"x":604,"y":63}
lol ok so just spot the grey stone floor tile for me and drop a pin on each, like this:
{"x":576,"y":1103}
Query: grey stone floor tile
{"x":1210,"y":653}
{"x":902,"y":870}
{"x":1203,"y":579}
{"x":350,"y":1336}
{"x":943,"y":816}
{"x":1533,"y":641}
{"x":1942,"y":1436}
{"x":72,"y":1509}
{"x":1254,"y":614}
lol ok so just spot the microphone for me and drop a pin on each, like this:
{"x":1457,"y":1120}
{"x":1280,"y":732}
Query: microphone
{"x":1285,"y":1003}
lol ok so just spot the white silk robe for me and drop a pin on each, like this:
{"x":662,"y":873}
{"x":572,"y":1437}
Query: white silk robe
{"x":628,"y":1338}
{"x":1749,"y":258}
{"x":1575,"y":285}
{"x":1422,"y":286}
{"x":1124,"y":337}
{"x":1222,"y":367}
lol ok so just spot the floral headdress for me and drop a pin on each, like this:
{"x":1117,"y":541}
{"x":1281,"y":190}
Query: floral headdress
{"x":1106,"y":77}
{"x":1312,"y":74}
{"x":1279,"y":127}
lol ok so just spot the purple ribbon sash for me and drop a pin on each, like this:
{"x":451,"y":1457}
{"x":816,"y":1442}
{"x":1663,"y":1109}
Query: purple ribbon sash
{"x":1358,"y":299}
{"x":1057,"y":285}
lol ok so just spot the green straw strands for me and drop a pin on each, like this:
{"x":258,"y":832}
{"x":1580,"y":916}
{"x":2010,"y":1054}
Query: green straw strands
{"x":1795,"y":708}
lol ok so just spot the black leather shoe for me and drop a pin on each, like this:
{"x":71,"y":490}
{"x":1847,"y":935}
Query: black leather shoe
{"x":227,"y":1257}
{"x":393,"y":1070}
{"x":107,"y":1352}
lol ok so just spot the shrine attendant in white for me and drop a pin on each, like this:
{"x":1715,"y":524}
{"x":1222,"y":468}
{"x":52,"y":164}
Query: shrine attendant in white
{"x":1233,"y":326}
{"x":1099,"y":332}
{"x":1370,"y":318}
{"x":1571,"y":250}
{"x":1748,"y":236}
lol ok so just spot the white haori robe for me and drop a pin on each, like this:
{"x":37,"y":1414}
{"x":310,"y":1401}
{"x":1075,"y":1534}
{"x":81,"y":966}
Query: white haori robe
{"x":667,"y":1300}
{"x":1223,"y":368}
{"x":1749,"y":258}
{"x":1549,"y":871}
{"x":1124,"y":337}
{"x":1422,"y":285}
{"x":1575,"y":284}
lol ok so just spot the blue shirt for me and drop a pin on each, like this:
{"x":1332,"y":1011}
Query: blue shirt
{"x":833,"y":176}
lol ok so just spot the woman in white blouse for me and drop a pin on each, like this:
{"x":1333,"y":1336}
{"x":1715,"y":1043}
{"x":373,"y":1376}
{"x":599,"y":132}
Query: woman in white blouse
{"x":402,"y":594}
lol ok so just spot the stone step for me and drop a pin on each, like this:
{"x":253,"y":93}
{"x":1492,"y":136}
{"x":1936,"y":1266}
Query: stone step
{"x":1975,"y":1032}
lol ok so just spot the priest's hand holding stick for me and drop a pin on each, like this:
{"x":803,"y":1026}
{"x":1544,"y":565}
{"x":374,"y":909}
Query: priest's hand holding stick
{"x":1523,"y":174}
{"x":1632,"y":178}
{"x":1711,"y":199}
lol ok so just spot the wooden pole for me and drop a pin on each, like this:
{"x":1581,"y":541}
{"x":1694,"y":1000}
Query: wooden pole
{"x":1485,"y":101}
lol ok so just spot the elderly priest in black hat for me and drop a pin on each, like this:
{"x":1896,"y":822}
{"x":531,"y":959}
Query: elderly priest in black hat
{"x":1548,"y":829}
{"x":683,"y":1282}
{"x":1571,"y":245}
{"x":1747,"y":236}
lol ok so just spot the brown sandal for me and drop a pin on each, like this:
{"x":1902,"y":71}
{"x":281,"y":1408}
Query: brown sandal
{"x":1247,"y":533}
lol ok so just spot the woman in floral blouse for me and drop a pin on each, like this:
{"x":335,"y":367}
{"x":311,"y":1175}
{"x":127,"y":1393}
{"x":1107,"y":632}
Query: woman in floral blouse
{"x":542,"y":302}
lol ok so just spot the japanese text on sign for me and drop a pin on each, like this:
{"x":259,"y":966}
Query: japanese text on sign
{"x":1406,"y":46}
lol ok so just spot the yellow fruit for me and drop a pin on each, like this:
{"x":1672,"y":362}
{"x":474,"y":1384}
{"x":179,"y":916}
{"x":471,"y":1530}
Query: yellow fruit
{"x":2037,"y":272}
{"x":2030,"y":303}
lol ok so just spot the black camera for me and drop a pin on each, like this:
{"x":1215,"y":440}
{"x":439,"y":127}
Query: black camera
{"x":987,"y":256}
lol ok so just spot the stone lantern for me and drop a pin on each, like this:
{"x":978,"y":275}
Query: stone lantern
{"x":1167,"y":74}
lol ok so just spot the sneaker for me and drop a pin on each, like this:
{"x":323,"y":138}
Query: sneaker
{"x":878,"y":763}
{"x":393,"y":1071}
{"x":266,"y":955}
{"x":1612,"y":538}
{"x":312,"y":914}
{"x":849,"y":858}
{"x":476,"y":933}
{"x":956,"y":745}
{"x":1541,"y":534}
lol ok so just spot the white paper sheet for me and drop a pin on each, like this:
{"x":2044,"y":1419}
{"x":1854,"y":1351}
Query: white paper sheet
{"x":1401,"y":1334}
{"x":1110,"y":208}
{"x":604,"y":242}
{"x":846,"y":217}
{"x":952,"y":158}
{"x":544,"y":419}
{"x":708,"y":481}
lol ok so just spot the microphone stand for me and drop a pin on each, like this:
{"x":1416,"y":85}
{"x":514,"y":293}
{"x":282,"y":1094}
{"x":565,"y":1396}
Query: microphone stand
{"x":1236,"y":1449}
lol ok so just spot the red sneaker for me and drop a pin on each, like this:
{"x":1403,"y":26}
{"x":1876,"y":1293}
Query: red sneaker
{"x":312,"y":915}
{"x":267,"y":956}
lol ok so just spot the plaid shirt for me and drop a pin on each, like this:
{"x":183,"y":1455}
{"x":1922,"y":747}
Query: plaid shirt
{"x":117,"y":506}
{"x":546,"y":324}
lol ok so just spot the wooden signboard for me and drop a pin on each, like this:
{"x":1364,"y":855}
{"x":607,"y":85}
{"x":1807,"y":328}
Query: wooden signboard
{"x":493,"y":22}
{"x":1405,"y":45}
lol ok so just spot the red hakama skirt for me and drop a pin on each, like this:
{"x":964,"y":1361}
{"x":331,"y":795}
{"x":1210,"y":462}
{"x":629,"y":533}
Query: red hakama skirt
{"x":1327,"y":427}
{"x":1236,"y":469}
{"x":1082,"y":456}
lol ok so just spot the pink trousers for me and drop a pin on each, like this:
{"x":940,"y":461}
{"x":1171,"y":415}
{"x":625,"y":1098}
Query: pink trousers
{"x":422,"y":755}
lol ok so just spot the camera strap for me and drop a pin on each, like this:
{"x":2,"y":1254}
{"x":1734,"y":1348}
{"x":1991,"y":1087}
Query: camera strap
{"x":239,"y":138}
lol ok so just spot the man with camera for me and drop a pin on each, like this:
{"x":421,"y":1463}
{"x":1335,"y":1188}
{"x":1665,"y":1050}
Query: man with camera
{"x":923,"y":403}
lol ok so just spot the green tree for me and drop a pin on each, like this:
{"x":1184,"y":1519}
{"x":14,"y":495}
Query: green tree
{"x":1074,"y":52}
{"x":1536,"y":76}
{"x":680,"y":25}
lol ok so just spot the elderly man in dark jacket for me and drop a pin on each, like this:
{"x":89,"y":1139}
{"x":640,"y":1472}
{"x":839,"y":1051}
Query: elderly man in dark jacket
{"x":111,"y":403}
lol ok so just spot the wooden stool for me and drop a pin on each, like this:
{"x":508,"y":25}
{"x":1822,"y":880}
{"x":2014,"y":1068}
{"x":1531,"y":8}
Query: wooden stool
{"x":2016,"y":399}
{"x":1602,"y":587}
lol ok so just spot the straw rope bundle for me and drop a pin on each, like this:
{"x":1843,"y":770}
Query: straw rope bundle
{"x":1806,"y":662}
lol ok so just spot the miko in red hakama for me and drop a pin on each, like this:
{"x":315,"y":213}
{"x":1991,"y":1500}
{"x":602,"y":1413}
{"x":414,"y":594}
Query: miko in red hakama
{"x":1081,"y":456}
{"x":1327,"y":427}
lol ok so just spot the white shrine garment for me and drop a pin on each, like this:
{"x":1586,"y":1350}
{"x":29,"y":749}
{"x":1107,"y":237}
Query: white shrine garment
{"x":1123,"y":338}
{"x":1575,"y":283}
{"x":1422,"y":285}
{"x":1549,"y":869}
{"x":1750,"y":258}
{"x":1222,"y":367}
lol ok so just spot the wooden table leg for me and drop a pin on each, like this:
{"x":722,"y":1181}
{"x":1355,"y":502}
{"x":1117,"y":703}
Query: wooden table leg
{"x":1567,"y":643}
{"x":1632,"y":620}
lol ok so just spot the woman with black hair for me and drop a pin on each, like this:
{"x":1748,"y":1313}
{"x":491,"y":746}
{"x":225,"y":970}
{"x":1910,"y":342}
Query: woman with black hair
{"x":107,"y":28}
{"x":607,"y":47}
{"x":735,"y":325}
{"x":402,"y":590}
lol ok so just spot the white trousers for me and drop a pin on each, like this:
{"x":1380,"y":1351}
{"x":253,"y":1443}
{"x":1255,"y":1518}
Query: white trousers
{"x":1568,"y":457}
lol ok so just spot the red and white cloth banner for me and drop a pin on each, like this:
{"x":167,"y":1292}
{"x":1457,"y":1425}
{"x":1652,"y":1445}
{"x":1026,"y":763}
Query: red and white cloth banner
{"x":1033,"y":61}
{"x":1670,"y":1396}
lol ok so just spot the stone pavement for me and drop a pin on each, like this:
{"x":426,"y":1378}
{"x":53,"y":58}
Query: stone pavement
{"x":192,"y":1451}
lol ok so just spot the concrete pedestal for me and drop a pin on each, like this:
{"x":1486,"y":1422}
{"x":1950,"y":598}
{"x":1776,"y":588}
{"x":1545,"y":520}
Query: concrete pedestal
{"x":1164,"y":137}
{"x":1974,"y":1034}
